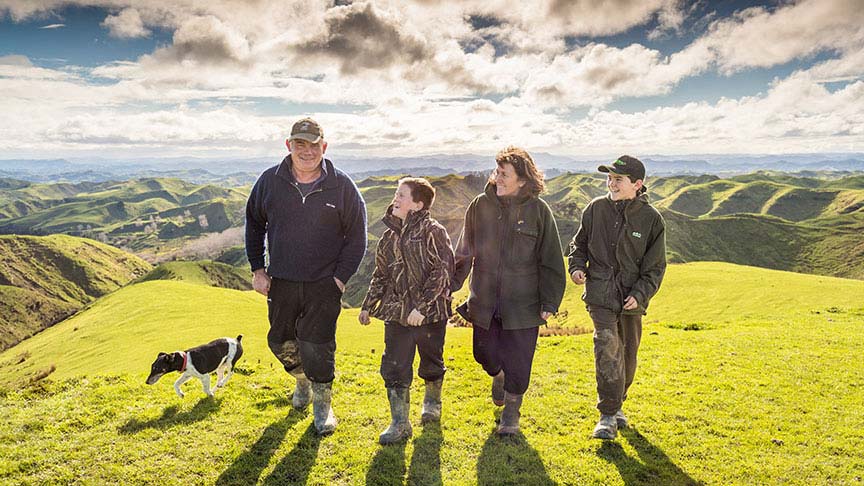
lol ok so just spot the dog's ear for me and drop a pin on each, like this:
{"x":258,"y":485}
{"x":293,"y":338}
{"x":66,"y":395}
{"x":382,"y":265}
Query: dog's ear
{"x":162,"y":354}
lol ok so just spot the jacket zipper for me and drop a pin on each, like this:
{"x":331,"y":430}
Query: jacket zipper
{"x":302,"y":197}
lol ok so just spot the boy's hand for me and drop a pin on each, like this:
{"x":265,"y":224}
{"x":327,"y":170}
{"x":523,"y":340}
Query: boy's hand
{"x":545,"y":315}
{"x":578,"y":277}
{"x":630,"y":303}
{"x":340,"y":285}
{"x":363,"y":317}
{"x":415,"y":318}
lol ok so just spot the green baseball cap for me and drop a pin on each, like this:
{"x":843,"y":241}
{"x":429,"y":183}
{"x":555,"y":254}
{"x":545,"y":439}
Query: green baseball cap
{"x":307,"y":129}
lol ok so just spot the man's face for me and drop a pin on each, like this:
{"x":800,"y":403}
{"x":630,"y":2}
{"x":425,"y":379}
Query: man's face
{"x":620,"y":187}
{"x":305,"y":155}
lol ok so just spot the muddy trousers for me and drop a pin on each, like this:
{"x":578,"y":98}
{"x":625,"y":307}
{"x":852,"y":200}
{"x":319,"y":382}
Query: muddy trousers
{"x":511,"y":350}
{"x":616,"y":342}
{"x":303,"y":326}
{"x":400,"y":341}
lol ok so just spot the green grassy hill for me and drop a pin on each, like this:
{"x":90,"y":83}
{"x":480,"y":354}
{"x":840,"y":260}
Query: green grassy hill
{"x":747,"y":376}
{"x":203,"y":272}
{"x":44,"y":279}
{"x":152,"y":216}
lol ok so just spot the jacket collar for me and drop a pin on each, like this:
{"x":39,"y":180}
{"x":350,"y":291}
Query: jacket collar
{"x":397,"y":225}
{"x":329,"y":182}
{"x":633,"y":205}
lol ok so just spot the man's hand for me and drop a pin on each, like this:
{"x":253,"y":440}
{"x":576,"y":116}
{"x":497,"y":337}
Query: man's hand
{"x":261,"y":281}
{"x":363,"y":317}
{"x":340,"y":285}
{"x":630,"y":303}
{"x":545,"y":315}
{"x":578,"y":277}
{"x":415,"y":318}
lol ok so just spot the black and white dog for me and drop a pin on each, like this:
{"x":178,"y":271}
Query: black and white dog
{"x":219,"y":355}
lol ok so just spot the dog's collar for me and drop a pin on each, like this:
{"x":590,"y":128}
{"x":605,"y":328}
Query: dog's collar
{"x":185,"y":360}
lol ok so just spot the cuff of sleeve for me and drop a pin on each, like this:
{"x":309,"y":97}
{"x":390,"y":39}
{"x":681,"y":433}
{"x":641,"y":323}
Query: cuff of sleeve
{"x":343,"y":276}
{"x":256,"y":264}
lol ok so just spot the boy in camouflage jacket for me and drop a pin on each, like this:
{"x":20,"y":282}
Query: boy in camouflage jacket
{"x":410,"y":292}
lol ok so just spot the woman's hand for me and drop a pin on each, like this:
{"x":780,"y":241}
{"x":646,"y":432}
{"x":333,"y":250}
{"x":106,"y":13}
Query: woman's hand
{"x":363,"y":317}
{"x":545,"y":315}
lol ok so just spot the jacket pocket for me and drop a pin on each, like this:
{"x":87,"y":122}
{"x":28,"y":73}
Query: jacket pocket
{"x":524,"y":245}
{"x":599,"y":288}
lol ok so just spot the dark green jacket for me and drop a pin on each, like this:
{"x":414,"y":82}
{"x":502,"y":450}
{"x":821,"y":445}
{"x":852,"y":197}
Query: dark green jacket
{"x":413,"y":270}
{"x":515,"y":259}
{"x":638,"y":263}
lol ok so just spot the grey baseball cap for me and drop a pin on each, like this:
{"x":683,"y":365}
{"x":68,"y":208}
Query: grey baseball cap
{"x":307,"y":129}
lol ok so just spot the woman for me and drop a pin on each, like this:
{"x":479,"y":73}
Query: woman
{"x":510,"y":244}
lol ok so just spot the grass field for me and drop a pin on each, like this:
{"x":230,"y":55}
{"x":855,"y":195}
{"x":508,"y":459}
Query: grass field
{"x":747,"y":376}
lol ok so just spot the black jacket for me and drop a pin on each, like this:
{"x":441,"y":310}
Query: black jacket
{"x":515,"y":258}
{"x":638,"y":263}
{"x":308,"y":238}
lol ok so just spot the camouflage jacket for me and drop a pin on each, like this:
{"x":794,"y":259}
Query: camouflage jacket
{"x":413,"y":268}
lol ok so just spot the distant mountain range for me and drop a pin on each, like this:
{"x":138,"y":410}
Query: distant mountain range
{"x":243,"y":172}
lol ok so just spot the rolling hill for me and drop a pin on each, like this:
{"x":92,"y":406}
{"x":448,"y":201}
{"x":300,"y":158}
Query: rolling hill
{"x":152,"y":217}
{"x":44,"y":279}
{"x":745,"y":378}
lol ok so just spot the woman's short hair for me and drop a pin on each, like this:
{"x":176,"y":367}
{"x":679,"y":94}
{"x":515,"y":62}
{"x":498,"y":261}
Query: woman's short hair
{"x":524,"y":167}
{"x":421,"y":190}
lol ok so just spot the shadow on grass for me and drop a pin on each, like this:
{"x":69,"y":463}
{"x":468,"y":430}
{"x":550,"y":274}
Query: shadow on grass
{"x":655,"y":466}
{"x":510,"y":460}
{"x":295,"y":466}
{"x":388,"y":466}
{"x":425,"y":465}
{"x":248,"y":465}
{"x":171,"y":418}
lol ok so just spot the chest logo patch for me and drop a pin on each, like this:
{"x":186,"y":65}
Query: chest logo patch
{"x":636,"y":234}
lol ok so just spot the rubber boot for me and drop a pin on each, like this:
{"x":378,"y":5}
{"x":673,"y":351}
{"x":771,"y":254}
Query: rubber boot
{"x":498,"y":389}
{"x":325,"y":421}
{"x":432,"y":401}
{"x":509,"y":424}
{"x":302,"y":392}
{"x":400,"y":427}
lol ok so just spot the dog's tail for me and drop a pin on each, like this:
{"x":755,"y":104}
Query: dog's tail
{"x":239,"y":338}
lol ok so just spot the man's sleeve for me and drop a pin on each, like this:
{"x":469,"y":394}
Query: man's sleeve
{"x":577,"y":256}
{"x":256,"y":227}
{"x":354,"y":227}
{"x":653,"y":265}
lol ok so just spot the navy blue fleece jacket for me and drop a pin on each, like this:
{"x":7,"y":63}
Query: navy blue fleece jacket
{"x":308,"y":238}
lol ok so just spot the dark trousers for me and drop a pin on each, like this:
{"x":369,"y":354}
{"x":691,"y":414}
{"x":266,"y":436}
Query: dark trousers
{"x":512,"y":350}
{"x":397,"y":363}
{"x":616,"y":342}
{"x":303,"y":326}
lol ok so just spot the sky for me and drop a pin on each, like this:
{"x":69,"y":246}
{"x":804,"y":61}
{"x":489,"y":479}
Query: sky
{"x":582,"y":78}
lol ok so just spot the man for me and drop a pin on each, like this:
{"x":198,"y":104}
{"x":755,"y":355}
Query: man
{"x":314,"y":220}
{"x":619,"y":253}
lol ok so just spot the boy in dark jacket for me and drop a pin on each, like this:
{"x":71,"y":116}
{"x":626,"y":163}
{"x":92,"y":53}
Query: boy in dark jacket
{"x":410,"y":292}
{"x":619,"y":253}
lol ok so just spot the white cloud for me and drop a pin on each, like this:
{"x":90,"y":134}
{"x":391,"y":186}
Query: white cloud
{"x":126,"y":25}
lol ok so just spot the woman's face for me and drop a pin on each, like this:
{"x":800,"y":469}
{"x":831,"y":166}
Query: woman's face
{"x":507,"y":183}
